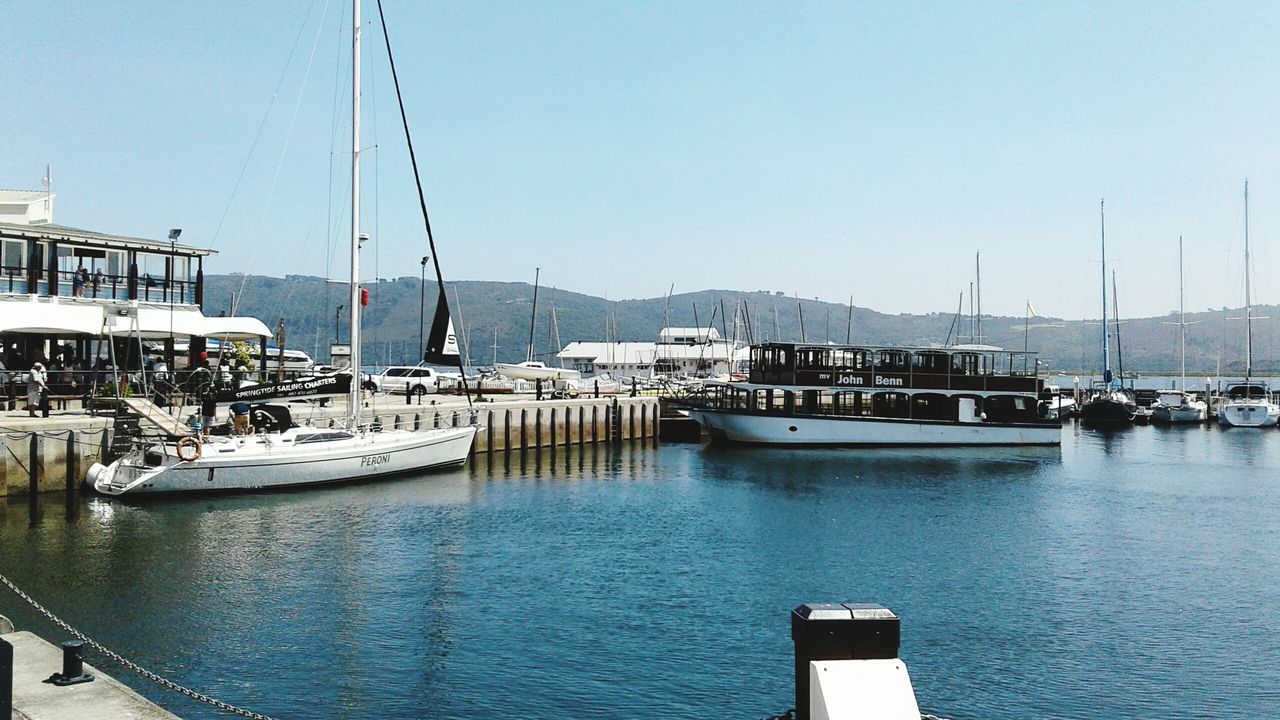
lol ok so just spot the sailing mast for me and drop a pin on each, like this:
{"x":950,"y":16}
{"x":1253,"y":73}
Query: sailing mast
{"x":533,"y":316}
{"x":1182,"y":318}
{"x":1248,"y":307}
{"x":353,"y":398}
{"x":1106,"y":351}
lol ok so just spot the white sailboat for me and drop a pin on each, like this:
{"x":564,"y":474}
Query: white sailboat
{"x":303,"y":456}
{"x":534,"y":370}
{"x":1176,"y":405}
{"x":1108,"y":403}
{"x":1248,"y":403}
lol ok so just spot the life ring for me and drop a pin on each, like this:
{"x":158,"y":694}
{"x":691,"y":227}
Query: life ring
{"x":193,"y":447}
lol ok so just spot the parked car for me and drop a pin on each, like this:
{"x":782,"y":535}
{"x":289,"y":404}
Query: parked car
{"x":415,"y":380}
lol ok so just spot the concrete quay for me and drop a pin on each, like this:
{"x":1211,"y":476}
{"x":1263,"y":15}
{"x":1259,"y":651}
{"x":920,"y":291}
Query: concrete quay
{"x":104,"y":698}
{"x":67,"y":442}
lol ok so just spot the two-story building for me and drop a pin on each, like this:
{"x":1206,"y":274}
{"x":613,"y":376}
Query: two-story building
{"x":65,"y":291}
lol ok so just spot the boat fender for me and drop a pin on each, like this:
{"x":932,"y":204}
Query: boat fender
{"x":189,"y":449}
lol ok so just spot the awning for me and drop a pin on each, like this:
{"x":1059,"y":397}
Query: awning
{"x":50,"y":317}
{"x":153,"y":323}
{"x":233,"y":328}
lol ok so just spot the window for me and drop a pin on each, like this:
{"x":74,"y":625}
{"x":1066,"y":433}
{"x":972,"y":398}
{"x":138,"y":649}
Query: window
{"x":930,"y":362}
{"x":891,"y":405}
{"x":894,"y":361}
{"x":15,"y":255}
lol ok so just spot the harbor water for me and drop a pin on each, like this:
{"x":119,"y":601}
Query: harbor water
{"x":1123,"y":575}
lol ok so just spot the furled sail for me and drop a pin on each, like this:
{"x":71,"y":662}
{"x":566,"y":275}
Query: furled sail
{"x":442,"y":344}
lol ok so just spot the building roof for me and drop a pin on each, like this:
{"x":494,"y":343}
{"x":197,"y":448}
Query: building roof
{"x":8,"y":197}
{"x":641,"y":353}
{"x":88,"y":238}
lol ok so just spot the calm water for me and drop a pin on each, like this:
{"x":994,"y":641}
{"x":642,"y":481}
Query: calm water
{"x":1133,"y":575}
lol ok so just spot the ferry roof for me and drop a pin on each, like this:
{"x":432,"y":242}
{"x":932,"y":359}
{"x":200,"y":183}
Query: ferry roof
{"x":88,"y":238}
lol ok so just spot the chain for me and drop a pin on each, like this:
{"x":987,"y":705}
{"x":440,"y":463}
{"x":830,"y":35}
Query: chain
{"x":169,"y":684}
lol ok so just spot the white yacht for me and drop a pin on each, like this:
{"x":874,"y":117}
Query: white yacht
{"x":290,"y":456}
{"x":1249,"y":403}
{"x":1177,"y":405}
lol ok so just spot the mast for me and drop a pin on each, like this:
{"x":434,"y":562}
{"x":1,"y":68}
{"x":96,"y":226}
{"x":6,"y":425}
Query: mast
{"x":848,"y":326}
{"x":353,"y":399}
{"x":1182,"y":318}
{"x":1115,"y":301}
{"x":977,"y":266}
{"x":1248,"y":307}
{"x":533,"y":316}
{"x":1106,"y":351}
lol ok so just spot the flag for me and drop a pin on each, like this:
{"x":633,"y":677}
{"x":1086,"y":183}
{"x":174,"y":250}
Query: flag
{"x":1030,"y":310}
{"x":442,"y":344}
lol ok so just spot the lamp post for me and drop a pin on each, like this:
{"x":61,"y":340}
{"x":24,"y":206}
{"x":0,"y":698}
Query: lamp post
{"x":422,"y":306}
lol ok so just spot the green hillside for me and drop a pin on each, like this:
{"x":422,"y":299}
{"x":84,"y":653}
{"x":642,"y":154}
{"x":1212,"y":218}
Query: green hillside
{"x":391,"y":323}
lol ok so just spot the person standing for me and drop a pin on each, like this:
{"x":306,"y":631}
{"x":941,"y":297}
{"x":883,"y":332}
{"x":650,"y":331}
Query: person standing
{"x":78,"y":281}
{"x":38,"y":390}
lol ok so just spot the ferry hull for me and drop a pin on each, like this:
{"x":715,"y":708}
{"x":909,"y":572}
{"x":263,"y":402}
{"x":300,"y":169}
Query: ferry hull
{"x":363,"y":458}
{"x":792,"y":430}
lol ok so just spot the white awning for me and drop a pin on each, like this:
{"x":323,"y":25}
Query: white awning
{"x":153,"y":323}
{"x":50,"y":317}
{"x":233,"y":328}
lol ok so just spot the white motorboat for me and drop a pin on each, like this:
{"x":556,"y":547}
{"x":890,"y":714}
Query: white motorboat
{"x":1054,"y":405}
{"x":1249,"y":403}
{"x":290,"y":456}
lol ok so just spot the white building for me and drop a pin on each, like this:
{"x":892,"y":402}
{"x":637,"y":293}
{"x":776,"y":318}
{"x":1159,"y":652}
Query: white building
{"x":26,"y":207}
{"x":679,"y":352}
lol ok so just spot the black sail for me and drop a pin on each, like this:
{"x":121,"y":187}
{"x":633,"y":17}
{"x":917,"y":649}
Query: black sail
{"x":442,"y":343}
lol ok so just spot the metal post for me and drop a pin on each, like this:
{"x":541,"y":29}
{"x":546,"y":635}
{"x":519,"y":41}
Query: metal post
{"x":71,"y":466}
{"x":849,"y":631}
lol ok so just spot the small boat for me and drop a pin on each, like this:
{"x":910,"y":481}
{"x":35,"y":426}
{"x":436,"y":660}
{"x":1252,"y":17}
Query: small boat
{"x":286,"y":455}
{"x":1249,"y":403}
{"x":1108,"y":402}
{"x":1055,"y":405}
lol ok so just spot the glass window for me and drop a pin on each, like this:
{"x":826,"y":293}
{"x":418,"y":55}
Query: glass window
{"x":15,"y":254}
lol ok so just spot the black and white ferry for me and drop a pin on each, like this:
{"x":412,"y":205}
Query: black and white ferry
{"x":802,"y":394}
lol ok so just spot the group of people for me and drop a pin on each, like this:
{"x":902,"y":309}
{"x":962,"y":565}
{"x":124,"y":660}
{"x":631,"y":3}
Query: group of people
{"x":82,"y":280}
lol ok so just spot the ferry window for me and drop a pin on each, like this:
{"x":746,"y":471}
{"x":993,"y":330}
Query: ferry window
{"x":760,"y":400}
{"x":826,"y":403}
{"x":1010,"y":408}
{"x":964,"y":364}
{"x":851,"y":359}
{"x":813,"y":358}
{"x":851,"y":403}
{"x":933,"y":406}
{"x":894,"y":360}
{"x":930,"y":362}
{"x":890,"y":405}
{"x":778,"y":401}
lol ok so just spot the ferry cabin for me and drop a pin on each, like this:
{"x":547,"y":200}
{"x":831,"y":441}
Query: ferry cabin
{"x":956,"y":395}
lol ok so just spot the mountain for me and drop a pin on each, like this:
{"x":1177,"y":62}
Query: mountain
{"x":391,"y":323}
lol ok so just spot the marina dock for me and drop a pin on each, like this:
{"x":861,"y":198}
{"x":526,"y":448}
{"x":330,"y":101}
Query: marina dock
{"x":65,"y":444}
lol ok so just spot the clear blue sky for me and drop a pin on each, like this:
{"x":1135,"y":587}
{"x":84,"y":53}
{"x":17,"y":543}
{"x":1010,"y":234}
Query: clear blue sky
{"x":819,"y":149}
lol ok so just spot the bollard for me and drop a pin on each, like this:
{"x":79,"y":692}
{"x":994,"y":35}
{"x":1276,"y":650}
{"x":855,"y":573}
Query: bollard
{"x":408,"y":396}
{"x":1208,"y":401}
{"x":6,"y":679}
{"x":71,"y":467}
{"x":72,"y":666}
{"x":849,"y":631}
{"x":33,"y":466}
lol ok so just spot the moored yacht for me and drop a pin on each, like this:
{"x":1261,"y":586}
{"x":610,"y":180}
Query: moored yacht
{"x":1175,"y":405}
{"x":800,"y":394}
{"x":1248,"y":403}
{"x":1108,"y":402}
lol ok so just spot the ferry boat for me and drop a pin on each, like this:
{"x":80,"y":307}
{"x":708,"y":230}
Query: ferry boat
{"x":803,"y":394}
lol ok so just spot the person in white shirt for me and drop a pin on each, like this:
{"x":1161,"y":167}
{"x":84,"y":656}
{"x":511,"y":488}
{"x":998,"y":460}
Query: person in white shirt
{"x":37,"y":390}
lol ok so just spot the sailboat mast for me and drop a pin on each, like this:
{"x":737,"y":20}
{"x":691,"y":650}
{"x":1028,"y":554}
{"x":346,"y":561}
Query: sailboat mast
{"x":1182,"y":317}
{"x":1248,"y":306}
{"x":1106,"y":350}
{"x":977,"y":269}
{"x":353,"y":399}
{"x":1115,"y":301}
{"x":533,"y":316}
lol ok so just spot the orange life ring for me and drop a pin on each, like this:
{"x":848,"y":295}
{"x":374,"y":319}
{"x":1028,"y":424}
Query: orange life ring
{"x":191,"y":443}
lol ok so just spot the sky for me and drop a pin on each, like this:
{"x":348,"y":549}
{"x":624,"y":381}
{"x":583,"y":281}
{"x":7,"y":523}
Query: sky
{"x":816,"y":149}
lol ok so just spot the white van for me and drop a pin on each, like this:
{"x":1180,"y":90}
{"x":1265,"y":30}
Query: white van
{"x":413,"y":379}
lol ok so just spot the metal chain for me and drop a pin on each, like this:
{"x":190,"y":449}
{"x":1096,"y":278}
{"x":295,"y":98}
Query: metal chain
{"x":169,"y":684}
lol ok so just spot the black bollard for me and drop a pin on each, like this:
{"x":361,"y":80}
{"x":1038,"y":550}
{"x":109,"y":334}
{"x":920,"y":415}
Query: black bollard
{"x":6,"y":679}
{"x":72,"y":665}
{"x":538,"y":385}
{"x":849,"y":631}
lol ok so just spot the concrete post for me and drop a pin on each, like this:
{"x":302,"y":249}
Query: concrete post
{"x":6,"y":680}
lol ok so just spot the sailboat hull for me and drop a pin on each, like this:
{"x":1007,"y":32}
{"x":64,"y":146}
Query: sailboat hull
{"x":269,"y":462}
{"x":1249,"y":414}
{"x":1107,"y":411}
